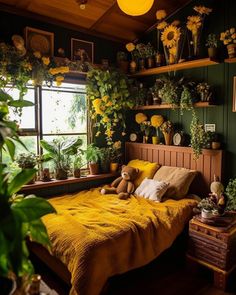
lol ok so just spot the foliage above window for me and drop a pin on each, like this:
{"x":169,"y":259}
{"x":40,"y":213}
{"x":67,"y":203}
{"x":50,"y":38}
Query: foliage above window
{"x":108,"y":99}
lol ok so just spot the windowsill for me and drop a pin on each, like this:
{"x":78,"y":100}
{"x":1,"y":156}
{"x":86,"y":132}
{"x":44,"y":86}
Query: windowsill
{"x":70,"y":180}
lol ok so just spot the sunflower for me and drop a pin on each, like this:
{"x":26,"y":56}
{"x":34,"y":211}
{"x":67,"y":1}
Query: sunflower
{"x":170,"y":36}
{"x":130,"y":47}
{"x":162,"y":25}
{"x":194,"y":23}
{"x":105,"y":98}
{"x":157,"y":120}
{"x":202,"y":9}
{"x":140,"y":117}
{"x":160,"y":14}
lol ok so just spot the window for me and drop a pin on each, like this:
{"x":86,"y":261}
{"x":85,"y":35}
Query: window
{"x":58,"y":111}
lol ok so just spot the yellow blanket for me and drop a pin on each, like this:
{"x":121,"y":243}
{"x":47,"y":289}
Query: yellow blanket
{"x":98,"y":236}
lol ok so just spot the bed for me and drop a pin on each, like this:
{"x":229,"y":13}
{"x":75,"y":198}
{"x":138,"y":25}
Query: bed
{"x":95,"y":237}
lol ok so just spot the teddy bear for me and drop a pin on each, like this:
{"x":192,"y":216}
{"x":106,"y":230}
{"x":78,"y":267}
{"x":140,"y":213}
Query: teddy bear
{"x":123,"y":185}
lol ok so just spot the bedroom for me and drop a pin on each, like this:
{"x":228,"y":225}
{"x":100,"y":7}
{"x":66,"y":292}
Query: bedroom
{"x":88,"y":95}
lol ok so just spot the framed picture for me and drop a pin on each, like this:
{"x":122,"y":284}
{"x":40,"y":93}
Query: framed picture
{"x":81,"y":50}
{"x":234,"y":96}
{"x":38,"y":40}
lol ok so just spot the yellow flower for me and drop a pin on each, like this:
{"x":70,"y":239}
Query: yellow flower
{"x":59,"y":79}
{"x":109,"y":133}
{"x":232,"y":30}
{"x":117,"y":144}
{"x":140,"y":117}
{"x":226,"y":42}
{"x":173,"y":50}
{"x":162,"y":25}
{"x":37,"y":54}
{"x":160,"y":14}
{"x":157,"y":120}
{"x":98,"y":133}
{"x":170,"y":36}
{"x":194,"y":23}
{"x":97,"y":102}
{"x":202,"y":9}
{"x":46,"y":60}
{"x":222,"y":36}
{"x":105,"y":98}
{"x":175,"y":23}
{"x":105,"y":119}
{"x":109,"y":104}
{"x":130,"y":46}
{"x":233,"y":36}
{"x":99,"y":111}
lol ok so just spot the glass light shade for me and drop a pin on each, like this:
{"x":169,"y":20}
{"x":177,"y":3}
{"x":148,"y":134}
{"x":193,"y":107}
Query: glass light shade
{"x":135,"y":7}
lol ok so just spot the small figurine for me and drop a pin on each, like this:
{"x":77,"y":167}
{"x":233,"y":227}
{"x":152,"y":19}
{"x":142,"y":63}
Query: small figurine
{"x":216,"y":187}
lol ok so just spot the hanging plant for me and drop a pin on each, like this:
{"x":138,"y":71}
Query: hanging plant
{"x":108,"y":99}
{"x":197,"y":135}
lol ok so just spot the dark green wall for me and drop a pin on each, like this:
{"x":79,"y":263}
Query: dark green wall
{"x":13,"y":24}
{"x":219,"y":76}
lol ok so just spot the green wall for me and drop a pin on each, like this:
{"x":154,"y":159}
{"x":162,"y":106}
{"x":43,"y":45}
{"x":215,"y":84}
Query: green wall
{"x":219,"y":76}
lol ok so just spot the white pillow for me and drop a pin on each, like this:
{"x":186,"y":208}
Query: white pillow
{"x":152,"y":189}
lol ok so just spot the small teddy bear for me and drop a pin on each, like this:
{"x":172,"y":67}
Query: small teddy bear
{"x":123,"y":185}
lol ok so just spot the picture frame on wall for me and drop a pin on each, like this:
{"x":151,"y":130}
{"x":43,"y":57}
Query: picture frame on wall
{"x":82,"y":50}
{"x":234,"y":95}
{"x":39,"y":40}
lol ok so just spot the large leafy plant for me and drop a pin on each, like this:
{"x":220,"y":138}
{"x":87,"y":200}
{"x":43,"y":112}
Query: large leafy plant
{"x":108,"y":99}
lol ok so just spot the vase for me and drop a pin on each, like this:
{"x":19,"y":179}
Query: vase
{"x":168,"y":136}
{"x":133,"y":67}
{"x":114,"y":167}
{"x":231,"y":50}
{"x":155,"y":140}
{"x":145,"y":139}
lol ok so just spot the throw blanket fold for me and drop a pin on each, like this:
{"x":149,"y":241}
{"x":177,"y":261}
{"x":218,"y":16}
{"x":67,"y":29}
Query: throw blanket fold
{"x":97,"y":236}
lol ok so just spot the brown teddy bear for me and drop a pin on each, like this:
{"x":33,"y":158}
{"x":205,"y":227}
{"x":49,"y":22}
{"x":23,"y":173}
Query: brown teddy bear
{"x":123,"y":185}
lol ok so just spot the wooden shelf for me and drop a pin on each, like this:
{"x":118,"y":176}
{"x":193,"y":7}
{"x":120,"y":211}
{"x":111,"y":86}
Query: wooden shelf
{"x":177,"y":67}
{"x":230,"y":60}
{"x":201,"y":104}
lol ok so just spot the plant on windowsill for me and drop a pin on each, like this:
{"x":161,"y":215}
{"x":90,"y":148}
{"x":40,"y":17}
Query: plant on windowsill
{"x":78,"y":163}
{"x":93,"y":155}
{"x":60,"y":152}
{"x":19,"y":215}
{"x":27,"y":161}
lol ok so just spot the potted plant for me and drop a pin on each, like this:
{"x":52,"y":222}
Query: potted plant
{"x":93,"y":154}
{"x":156,"y":122}
{"x":150,"y":53}
{"x":20,"y":216}
{"x":231,"y":194}
{"x":115,"y":156}
{"x":105,"y":159}
{"x":208,"y":207}
{"x":212,"y":44}
{"x":27,"y":161}
{"x":122,"y":61}
{"x":77,"y":165}
{"x":60,"y":152}
{"x":141,"y":49}
{"x":228,"y":38}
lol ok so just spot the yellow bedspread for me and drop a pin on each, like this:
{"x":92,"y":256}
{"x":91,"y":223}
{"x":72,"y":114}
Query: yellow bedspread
{"x":98,"y":236}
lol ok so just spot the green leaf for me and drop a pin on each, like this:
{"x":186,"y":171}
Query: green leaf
{"x":32,"y":208}
{"x":11,"y":147}
{"x":38,"y":232}
{"x":5,"y":96}
{"x":48,"y":147}
{"x":20,"y":103}
{"x":19,"y":180}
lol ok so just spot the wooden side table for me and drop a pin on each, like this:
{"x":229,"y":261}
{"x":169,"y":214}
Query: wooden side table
{"x":213,"y":247}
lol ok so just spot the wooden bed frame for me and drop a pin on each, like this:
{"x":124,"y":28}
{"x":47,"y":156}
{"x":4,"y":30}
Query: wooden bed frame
{"x":208,"y":165}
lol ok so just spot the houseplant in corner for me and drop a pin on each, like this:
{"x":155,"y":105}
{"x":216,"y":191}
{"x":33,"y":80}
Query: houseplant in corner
{"x":19,"y":215}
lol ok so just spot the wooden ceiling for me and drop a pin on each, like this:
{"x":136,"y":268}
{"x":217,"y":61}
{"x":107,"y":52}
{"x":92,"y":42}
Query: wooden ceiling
{"x":100,"y":17}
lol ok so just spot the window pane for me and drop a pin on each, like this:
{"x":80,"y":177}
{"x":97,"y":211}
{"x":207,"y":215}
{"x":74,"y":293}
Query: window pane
{"x":61,"y":113}
{"x":27,"y":119}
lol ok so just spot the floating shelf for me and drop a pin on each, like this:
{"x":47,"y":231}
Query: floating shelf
{"x":177,"y":67}
{"x":230,"y":60}
{"x":76,"y":74}
{"x":201,"y":104}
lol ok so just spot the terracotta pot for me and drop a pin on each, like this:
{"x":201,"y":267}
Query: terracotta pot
{"x":168,"y":137}
{"x":150,"y":62}
{"x":155,"y":140}
{"x":215,"y":145}
{"x":212,"y":52}
{"x":93,"y":168}
{"x":61,"y":174}
{"x":133,"y":67}
{"x":77,"y":173}
{"x":231,"y":50}
{"x":113,"y":167}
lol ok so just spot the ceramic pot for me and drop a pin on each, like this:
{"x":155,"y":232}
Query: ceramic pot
{"x":212,"y":52}
{"x":231,"y":50}
{"x":114,"y":167}
{"x":206,"y":214}
{"x":77,"y":173}
{"x":93,"y":168}
{"x":61,"y":174}
{"x":155,"y":140}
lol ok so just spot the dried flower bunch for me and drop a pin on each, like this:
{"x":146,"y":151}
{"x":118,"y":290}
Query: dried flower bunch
{"x":228,"y":37}
{"x":167,"y":127}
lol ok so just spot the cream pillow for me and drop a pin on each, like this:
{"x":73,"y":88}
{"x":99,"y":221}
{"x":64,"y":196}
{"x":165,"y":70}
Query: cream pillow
{"x":179,"y":179}
{"x":146,"y":169}
{"x":152,"y":189}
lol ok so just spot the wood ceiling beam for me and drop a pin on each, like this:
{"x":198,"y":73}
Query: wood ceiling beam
{"x":35,"y":16}
{"x":24,"y":4}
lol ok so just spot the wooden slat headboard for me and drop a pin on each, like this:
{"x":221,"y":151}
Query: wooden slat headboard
{"x":208,"y":164}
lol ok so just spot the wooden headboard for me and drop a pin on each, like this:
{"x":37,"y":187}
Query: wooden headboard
{"x":208,"y":164}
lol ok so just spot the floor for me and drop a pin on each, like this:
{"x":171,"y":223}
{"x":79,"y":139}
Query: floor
{"x":168,"y":275}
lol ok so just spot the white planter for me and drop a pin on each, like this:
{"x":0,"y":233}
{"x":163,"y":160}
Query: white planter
{"x":206,"y":214}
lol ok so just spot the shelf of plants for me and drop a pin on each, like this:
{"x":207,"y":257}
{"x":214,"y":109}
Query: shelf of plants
{"x":230,"y":60}
{"x":177,"y":67}
{"x":201,"y":104}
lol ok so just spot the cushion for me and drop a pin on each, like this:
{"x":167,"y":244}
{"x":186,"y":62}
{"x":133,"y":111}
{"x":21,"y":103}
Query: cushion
{"x":152,"y":189}
{"x":146,"y":170}
{"x":179,"y":179}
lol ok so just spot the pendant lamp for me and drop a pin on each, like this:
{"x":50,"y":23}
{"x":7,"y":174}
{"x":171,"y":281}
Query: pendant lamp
{"x":135,"y":7}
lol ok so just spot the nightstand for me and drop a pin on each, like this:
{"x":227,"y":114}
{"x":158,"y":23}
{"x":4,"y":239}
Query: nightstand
{"x":213,"y":247}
